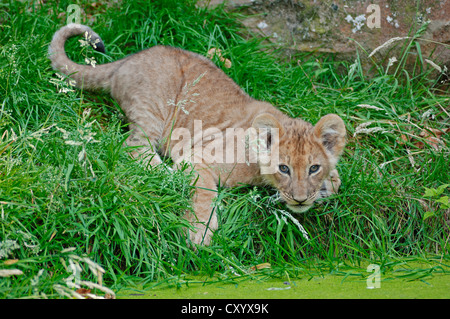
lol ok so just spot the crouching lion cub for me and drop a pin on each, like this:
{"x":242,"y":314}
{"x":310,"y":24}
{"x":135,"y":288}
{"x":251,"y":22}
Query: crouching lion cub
{"x":180,"y":104}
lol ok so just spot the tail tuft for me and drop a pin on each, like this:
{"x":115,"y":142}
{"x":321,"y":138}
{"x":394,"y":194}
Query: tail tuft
{"x":100,"y":47}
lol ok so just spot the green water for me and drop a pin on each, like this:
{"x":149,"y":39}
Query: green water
{"x":418,"y":282}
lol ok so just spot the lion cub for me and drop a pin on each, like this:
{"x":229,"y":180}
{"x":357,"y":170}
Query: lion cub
{"x":180,"y":104}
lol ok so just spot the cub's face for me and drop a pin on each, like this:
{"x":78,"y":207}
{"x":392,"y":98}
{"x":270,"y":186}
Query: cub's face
{"x":302,"y":157}
{"x":302,"y":168}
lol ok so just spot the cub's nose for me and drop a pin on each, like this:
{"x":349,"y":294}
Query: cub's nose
{"x":300,"y":200}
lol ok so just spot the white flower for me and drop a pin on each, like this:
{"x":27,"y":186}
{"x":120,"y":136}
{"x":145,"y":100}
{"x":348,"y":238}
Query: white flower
{"x":65,"y":133}
{"x":73,"y":143}
{"x":386,"y":44}
{"x":82,"y":155}
{"x":87,"y":41}
{"x":392,"y":61}
{"x":364,"y":129}
{"x":90,"y":61}
{"x":434,"y":65}
{"x":65,"y":90}
{"x":367,"y":106}
{"x":86,"y":113}
{"x":83,"y":43}
{"x":10,"y":272}
{"x":262,"y":25}
{"x":7,"y":246}
{"x":358,"y":22}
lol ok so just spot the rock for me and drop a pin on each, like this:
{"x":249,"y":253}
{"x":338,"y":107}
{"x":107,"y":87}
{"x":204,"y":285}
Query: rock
{"x":341,"y":27}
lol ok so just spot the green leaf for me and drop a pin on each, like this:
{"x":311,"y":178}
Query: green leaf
{"x":428,"y":214}
{"x":429,"y":192}
{"x":66,"y":181}
{"x":441,"y":189}
{"x":445,"y":202}
{"x":419,"y":52}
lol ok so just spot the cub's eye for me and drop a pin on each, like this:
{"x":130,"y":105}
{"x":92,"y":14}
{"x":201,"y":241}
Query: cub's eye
{"x":284,"y":169}
{"x":313,"y":169}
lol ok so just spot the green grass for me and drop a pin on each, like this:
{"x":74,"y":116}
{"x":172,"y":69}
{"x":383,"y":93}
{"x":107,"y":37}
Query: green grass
{"x":70,"y":194}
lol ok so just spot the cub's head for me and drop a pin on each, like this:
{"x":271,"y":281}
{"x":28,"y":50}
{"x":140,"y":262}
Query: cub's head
{"x":300,"y":157}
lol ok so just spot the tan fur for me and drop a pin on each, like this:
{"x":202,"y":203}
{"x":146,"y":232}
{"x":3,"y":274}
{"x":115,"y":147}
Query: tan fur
{"x":163,"y":88}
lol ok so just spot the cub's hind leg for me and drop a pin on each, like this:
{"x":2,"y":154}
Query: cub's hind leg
{"x":331,"y":185}
{"x":144,"y":146}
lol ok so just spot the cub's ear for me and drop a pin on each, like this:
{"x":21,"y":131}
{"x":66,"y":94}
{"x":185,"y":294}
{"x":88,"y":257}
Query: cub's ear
{"x":265,"y":123}
{"x":331,"y":130}
{"x":266,"y":120}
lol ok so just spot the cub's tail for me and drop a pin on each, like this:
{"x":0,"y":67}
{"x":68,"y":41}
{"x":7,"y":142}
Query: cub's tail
{"x":86,"y":76}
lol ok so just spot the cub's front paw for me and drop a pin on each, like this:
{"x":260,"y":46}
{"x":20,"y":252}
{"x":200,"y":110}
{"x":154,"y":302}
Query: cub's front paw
{"x":200,"y":235}
{"x":331,"y":185}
